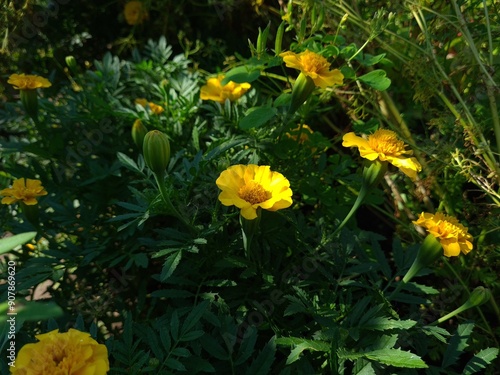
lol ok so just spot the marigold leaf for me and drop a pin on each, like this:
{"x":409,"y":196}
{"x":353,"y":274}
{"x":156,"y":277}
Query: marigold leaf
{"x":480,"y":360}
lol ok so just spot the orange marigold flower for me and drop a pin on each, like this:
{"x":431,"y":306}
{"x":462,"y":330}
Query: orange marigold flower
{"x":69,"y":353}
{"x":24,"y":190}
{"x":28,"y":82}
{"x":315,"y":66}
{"x":452,"y":235}
{"x":135,"y":13}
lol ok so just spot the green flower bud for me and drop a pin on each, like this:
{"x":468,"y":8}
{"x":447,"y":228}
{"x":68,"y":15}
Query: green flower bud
{"x":430,"y":251}
{"x":71,"y":63}
{"x":302,"y":89}
{"x":139,"y":131}
{"x":156,"y":151}
{"x":478,"y":296}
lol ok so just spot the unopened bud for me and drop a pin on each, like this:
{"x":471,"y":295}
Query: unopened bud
{"x":156,"y":151}
{"x":478,"y":296}
{"x":71,"y":63}
{"x":139,"y":131}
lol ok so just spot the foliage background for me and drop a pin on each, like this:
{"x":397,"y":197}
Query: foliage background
{"x":166,"y":300}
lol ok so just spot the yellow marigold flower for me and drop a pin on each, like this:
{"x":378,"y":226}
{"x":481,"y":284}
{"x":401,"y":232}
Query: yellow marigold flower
{"x":135,"y":13}
{"x":385,"y":146}
{"x":249,"y":187}
{"x":28,"y":82}
{"x":304,"y":132}
{"x":25,"y":191}
{"x":213,"y":90}
{"x":155,"y":108}
{"x":315,"y":66}
{"x":69,"y":353}
{"x":452,"y":235}
{"x":141,"y":101}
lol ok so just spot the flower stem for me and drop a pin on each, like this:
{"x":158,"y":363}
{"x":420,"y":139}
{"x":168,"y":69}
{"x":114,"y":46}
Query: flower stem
{"x":171,"y":209}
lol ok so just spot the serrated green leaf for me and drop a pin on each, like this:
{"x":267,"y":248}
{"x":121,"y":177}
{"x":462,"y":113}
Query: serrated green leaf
{"x":437,"y":332}
{"x":480,"y":361}
{"x":170,"y":265}
{"x":194,"y":316}
{"x":256,"y":117}
{"x":307,"y":345}
{"x":190,"y":336}
{"x":213,"y":348}
{"x":174,"y":364}
{"x":457,"y":344}
{"x":381,"y":323}
{"x":396,"y":357}
{"x":376,"y":79}
{"x":262,"y":364}
{"x":174,"y":326}
{"x":241,"y":74}
{"x":247,"y":345}
{"x":127,"y":162}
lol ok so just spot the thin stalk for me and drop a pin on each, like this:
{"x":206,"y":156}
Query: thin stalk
{"x":485,"y":321}
{"x":171,"y":209}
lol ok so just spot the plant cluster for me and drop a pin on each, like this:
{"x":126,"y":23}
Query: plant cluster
{"x":277,"y":214}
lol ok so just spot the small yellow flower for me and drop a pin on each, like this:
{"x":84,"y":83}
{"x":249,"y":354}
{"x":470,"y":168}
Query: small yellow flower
{"x":69,"y":353}
{"x":385,"y":146}
{"x":141,"y":101}
{"x":300,"y":133}
{"x":249,"y":187}
{"x":28,"y":82}
{"x":155,"y":108}
{"x":452,"y":235}
{"x":213,"y":90}
{"x":25,"y":191}
{"x":135,"y":13}
{"x":315,"y":66}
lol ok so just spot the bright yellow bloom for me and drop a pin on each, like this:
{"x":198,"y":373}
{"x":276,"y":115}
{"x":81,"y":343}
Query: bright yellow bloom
{"x":385,"y":146}
{"x":69,"y":353}
{"x":249,"y":187}
{"x":213,"y":90}
{"x":155,"y":108}
{"x":135,"y":13}
{"x":452,"y":235}
{"x":27,"y":192}
{"x":315,"y":66}
{"x":28,"y":82}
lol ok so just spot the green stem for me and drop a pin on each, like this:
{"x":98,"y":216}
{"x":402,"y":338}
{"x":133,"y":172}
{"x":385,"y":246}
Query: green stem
{"x":361,"y":196}
{"x":170,"y":207}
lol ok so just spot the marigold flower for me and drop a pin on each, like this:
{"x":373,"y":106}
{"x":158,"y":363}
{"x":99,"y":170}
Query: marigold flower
{"x":300,"y":133}
{"x":28,"y":82}
{"x":214,"y":90}
{"x":155,"y":108}
{"x":315,"y":66}
{"x":385,"y":146}
{"x":452,"y":235}
{"x":23,"y":190}
{"x":249,"y":187}
{"x":69,"y":353}
{"x":135,"y":13}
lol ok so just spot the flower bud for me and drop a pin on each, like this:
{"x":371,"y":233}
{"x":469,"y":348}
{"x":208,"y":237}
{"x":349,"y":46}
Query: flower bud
{"x":302,"y":89}
{"x":71,"y":63}
{"x":429,"y":252}
{"x":478,"y":296}
{"x":156,"y":151}
{"x":139,"y":131}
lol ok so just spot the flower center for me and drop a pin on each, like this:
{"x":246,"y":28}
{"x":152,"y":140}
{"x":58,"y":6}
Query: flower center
{"x":253,"y":193}
{"x":386,"y":142}
{"x":313,"y":63}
